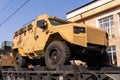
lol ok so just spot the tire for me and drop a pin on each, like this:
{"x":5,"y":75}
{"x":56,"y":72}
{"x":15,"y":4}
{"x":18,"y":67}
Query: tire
{"x":57,"y":54}
{"x":106,"y":60}
{"x":96,"y":62}
{"x":1,"y":76}
{"x":20,"y":62}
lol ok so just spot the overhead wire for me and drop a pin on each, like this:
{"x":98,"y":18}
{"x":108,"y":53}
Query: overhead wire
{"x":14,"y":12}
{"x":6,"y":6}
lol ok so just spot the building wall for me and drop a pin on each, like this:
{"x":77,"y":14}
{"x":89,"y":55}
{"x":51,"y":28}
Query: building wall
{"x":93,"y":21}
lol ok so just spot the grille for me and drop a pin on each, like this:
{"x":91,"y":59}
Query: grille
{"x":95,"y":36}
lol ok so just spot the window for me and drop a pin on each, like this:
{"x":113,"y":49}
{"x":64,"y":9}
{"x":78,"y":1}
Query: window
{"x":107,"y":24}
{"x":112,"y":54}
{"x":119,"y":21}
{"x":56,"y":22}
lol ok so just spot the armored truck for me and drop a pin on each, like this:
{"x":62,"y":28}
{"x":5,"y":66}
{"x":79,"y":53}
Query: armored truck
{"x":52,"y":42}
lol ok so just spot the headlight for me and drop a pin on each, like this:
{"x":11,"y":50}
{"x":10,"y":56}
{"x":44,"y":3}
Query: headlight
{"x":78,"y":30}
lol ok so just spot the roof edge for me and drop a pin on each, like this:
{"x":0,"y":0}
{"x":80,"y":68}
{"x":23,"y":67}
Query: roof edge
{"x":81,"y":6}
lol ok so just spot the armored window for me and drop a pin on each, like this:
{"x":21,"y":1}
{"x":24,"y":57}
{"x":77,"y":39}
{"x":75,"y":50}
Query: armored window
{"x":57,"y":22}
{"x":30,"y":26}
{"x":107,"y":24}
{"x":16,"y":34}
{"x":24,"y":29}
{"x":112,"y":54}
{"x":20,"y":31}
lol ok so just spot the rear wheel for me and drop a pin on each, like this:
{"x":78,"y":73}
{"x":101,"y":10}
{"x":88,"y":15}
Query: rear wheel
{"x":20,"y":62}
{"x":57,"y":54}
{"x":98,"y":60}
{"x":1,"y":76}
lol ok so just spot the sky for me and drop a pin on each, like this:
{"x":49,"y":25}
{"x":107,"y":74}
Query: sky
{"x":30,"y":11}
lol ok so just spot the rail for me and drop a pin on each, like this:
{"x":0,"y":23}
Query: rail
{"x":63,"y":73}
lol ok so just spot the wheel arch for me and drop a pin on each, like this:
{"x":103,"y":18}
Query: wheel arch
{"x":15,"y":52}
{"x":18,"y":51}
{"x":54,"y":37}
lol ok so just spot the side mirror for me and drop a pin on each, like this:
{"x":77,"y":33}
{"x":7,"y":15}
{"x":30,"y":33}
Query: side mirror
{"x":42,"y":24}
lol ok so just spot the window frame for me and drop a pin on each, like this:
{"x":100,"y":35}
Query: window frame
{"x":112,"y":54}
{"x":107,"y":23}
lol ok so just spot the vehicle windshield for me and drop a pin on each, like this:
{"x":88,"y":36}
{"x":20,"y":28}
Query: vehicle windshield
{"x":56,"y":22}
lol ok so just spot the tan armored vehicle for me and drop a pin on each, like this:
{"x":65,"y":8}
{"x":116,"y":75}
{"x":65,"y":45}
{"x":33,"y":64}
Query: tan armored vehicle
{"x":54,"y":42}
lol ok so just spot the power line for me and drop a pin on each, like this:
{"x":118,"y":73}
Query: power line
{"x":5,"y":7}
{"x":14,"y":12}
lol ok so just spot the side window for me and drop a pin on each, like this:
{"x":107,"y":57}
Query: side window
{"x":30,"y":26}
{"x":42,"y":23}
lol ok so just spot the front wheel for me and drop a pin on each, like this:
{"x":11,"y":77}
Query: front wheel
{"x":57,"y":54}
{"x":20,"y":62}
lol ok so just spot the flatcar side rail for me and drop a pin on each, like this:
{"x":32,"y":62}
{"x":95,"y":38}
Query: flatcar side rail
{"x":71,"y":74}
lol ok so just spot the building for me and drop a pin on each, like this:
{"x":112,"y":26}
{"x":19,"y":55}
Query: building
{"x":103,"y":14}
